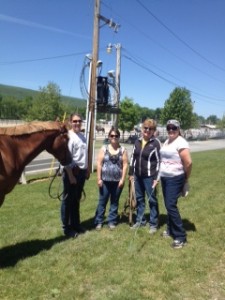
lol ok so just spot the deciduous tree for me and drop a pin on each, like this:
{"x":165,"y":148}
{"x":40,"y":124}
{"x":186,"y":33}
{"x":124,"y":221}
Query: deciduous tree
{"x":47,"y":106}
{"x":179,"y":106}
{"x":128,"y":116}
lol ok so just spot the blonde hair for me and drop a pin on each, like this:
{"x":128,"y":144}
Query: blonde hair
{"x":149,"y":123}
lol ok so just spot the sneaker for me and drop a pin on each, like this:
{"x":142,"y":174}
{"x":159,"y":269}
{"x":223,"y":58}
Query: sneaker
{"x":165,"y":234}
{"x":152,"y":230}
{"x":112,"y":226}
{"x":137,"y":225}
{"x":178,"y":244}
{"x":98,"y":227}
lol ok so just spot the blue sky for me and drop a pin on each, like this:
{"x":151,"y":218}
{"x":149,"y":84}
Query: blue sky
{"x":165,"y":44}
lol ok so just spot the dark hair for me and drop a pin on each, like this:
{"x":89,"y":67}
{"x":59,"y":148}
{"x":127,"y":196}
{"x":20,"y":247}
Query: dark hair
{"x":75,"y":114}
{"x":113,"y":129}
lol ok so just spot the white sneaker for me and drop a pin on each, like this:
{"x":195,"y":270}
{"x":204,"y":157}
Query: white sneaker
{"x":112,"y":226}
{"x":152,"y":230}
{"x":98,"y":227}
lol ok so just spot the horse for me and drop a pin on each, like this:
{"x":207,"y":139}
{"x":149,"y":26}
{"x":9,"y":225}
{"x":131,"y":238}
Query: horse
{"x":99,"y":128}
{"x":20,"y":144}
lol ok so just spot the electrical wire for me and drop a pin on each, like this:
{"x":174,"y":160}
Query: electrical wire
{"x":167,"y":80}
{"x":178,"y":38}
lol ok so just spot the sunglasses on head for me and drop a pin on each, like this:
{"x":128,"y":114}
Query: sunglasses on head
{"x":171,"y":127}
{"x":114,"y":136}
{"x":148,"y":128}
{"x":77,"y":121}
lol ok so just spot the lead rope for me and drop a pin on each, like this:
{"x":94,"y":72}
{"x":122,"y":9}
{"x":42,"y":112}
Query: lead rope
{"x":58,"y":195}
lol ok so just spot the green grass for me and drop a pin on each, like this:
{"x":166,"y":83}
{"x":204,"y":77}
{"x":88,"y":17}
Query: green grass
{"x":36,"y":262}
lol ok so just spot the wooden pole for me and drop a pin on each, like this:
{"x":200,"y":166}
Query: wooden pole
{"x":92,"y":94}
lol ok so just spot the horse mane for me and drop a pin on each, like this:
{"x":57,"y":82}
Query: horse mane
{"x":29,"y":128}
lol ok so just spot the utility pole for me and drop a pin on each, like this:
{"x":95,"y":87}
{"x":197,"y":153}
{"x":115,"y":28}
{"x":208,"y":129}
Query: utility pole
{"x":92,"y":94}
{"x":118,"y":68}
{"x":92,"y":110}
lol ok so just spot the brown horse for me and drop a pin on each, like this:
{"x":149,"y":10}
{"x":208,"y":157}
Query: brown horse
{"x":20,"y":144}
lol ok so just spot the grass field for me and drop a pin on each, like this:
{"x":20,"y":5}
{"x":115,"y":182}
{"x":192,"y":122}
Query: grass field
{"x":36,"y":262}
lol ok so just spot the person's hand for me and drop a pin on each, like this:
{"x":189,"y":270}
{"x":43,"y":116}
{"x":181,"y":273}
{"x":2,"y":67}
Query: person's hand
{"x":100,"y":182}
{"x":131,"y":178}
{"x":121,"y":183}
{"x":155,"y":182}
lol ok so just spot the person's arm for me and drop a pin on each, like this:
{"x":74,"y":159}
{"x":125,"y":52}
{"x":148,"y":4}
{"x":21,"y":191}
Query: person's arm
{"x":131,"y":167}
{"x":157,"y":176}
{"x":99,"y":166}
{"x":124,"y":170}
{"x":187,"y":161}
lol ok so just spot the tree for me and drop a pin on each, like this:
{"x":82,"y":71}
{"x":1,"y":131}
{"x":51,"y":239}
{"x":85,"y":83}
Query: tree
{"x":158,"y":113}
{"x":201,"y":120}
{"x":47,"y":105}
{"x":128,"y":116}
{"x":179,"y":106}
{"x":212,"y":119}
{"x":144,"y":113}
{"x":221,"y":123}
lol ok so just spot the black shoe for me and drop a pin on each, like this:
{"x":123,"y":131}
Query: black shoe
{"x":71,"y":234}
{"x":81,"y":229}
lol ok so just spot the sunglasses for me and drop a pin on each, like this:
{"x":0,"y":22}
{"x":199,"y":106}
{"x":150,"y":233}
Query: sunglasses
{"x":171,"y":127}
{"x":148,"y":128}
{"x":77,"y":121}
{"x":114,"y":136}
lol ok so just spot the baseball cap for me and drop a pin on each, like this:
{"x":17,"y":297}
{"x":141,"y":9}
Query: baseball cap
{"x":174,"y":122}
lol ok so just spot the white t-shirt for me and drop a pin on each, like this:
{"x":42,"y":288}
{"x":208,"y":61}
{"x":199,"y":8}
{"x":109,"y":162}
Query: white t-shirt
{"x":78,"y":149}
{"x":171,"y":164}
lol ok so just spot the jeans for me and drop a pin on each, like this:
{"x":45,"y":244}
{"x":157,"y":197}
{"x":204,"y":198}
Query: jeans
{"x":171,"y":188}
{"x":70,"y":206}
{"x":144,"y":185}
{"x":108,"y":190}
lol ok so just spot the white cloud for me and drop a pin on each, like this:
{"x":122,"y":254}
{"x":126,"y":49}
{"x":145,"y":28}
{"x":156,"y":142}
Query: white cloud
{"x":37,"y":25}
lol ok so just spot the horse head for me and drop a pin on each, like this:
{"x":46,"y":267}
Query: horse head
{"x":59,"y":147}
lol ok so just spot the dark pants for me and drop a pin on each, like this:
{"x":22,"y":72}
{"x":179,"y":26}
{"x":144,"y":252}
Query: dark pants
{"x":144,"y":185}
{"x":171,"y":188}
{"x":70,"y":207}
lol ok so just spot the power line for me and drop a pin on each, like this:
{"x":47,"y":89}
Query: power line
{"x":167,"y":73}
{"x":178,"y":38}
{"x":167,"y":80}
{"x":165,"y":48}
{"x":40,"y":59}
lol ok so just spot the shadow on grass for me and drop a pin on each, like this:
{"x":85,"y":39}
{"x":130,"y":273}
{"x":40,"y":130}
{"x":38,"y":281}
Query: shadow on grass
{"x":189,"y":226}
{"x":10,"y":255}
{"x":88,"y":224}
